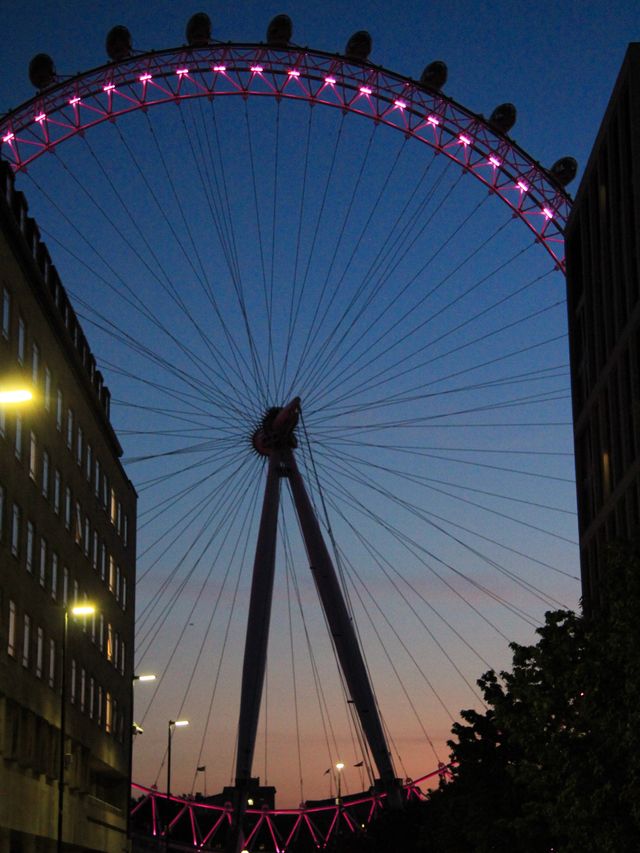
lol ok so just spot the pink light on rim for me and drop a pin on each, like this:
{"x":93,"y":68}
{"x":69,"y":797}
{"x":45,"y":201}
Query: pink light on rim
{"x":434,"y":120}
{"x":109,"y":87}
{"x":401,"y":105}
{"x":257,"y":69}
{"x":144,"y":78}
{"x":293,"y":72}
{"x":547,"y":212}
{"x":365,"y":90}
{"x":182,"y":71}
{"x":496,"y":162}
{"x":330,"y":81}
{"x":74,"y":102}
{"x":465,"y":140}
{"x":40,"y":117}
{"x":8,"y":137}
{"x":219,"y":68}
{"x":523,"y":186}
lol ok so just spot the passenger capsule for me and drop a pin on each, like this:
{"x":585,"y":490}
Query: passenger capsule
{"x":564,"y":170}
{"x":279,"y":31}
{"x":198,"y":30}
{"x":42,"y":72}
{"x":359,"y":46}
{"x":503,"y":117}
{"x":118,"y":44}
{"x":434,"y":75}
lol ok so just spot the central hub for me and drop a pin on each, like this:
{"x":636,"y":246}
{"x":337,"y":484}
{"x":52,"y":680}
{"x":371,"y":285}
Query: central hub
{"x":277,"y":430}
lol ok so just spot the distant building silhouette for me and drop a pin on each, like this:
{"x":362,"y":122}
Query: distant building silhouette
{"x":67,"y":535}
{"x":603,"y":293}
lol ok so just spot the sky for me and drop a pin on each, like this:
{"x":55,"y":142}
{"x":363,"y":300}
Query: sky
{"x":439,"y":451}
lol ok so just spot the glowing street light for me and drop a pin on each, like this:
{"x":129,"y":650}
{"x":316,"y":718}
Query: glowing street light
{"x":15,"y":395}
{"x":149,"y":677}
{"x":79,"y":610}
{"x":172,"y":724}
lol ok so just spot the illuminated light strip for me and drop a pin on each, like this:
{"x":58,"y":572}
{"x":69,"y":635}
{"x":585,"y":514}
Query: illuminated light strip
{"x":433,"y":120}
{"x":401,"y":105}
{"x":330,"y":81}
{"x":495,"y":161}
{"x":74,"y":102}
{"x":523,"y":186}
{"x":257,"y":69}
{"x":464,"y":140}
{"x":40,"y":117}
{"x":365,"y":90}
{"x":144,"y":78}
{"x":548,"y":213}
{"x":182,"y":71}
{"x":219,"y":68}
{"x":109,"y":87}
{"x":9,"y":137}
{"x":293,"y":72}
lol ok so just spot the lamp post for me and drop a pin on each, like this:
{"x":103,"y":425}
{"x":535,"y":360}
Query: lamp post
{"x":135,"y":730}
{"x":172,"y":724}
{"x":15,"y":395}
{"x":84,"y":610}
{"x":339,"y":768}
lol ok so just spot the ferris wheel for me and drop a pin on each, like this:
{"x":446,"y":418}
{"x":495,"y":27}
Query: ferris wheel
{"x":329,"y":302}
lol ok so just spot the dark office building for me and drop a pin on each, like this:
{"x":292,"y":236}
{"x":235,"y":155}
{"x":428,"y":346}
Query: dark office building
{"x":603,"y":292}
{"x":67,"y":536}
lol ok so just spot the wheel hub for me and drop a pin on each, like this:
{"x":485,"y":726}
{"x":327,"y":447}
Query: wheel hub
{"x":277,"y":429}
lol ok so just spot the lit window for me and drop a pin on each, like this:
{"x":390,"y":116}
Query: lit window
{"x":114,"y":505}
{"x":45,"y":474}
{"x":26,"y":641}
{"x":112,"y":573}
{"x":108,"y":720}
{"x":15,"y":530}
{"x":109,"y":641}
{"x":11,"y":639}
{"x":39,"y":652}
{"x":22,"y":340}
{"x":6,"y":313}
{"x":33,"y":455}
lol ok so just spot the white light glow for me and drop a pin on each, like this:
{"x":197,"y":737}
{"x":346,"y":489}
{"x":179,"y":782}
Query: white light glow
{"x":401,"y":105}
{"x":74,"y":101}
{"x":144,"y":78}
{"x":331,"y":81}
{"x":219,"y":67}
{"x":523,"y":185}
{"x":292,"y":72}
{"x":464,"y":139}
{"x":365,"y":90}
{"x":434,"y":120}
{"x":109,"y":87}
{"x":40,"y":117}
{"x":8,"y":137}
{"x":16,"y":395}
{"x":257,"y":69}
{"x":495,"y":161}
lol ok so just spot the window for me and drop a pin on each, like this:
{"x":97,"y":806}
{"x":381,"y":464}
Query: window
{"x":56,"y":492}
{"x":65,"y":585}
{"x":67,"y":508}
{"x":117,"y":583}
{"x":43,"y":561}
{"x":52,"y":663}
{"x":123,"y":597}
{"x":116,"y":650}
{"x":112,"y":573}
{"x":33,"y":455}
{"x":35,"y":363}
{"x":76,"y":593}
{"x":105,"y":491}
{"x":22,"y":340}
{"x":15,"y":530}
{"x":113,"y":507}
{"x":72,"y":684}
{"x":6,"y":313}
{"x":122,"y":654}
{"x":108,"y":720}
{"x":99,"y":706}
{"x":88,"y":463}
{"x":125,"y":530}
{"x":79,"y":445}
{"x":101,"y":632}
{"x":86,"y":539}
{"x":11,"y":639}
{"x":83,"y":679}
{"x":54,"y":575}
{"x":69,"y":428}
{"x":26,"y":641}
{"x":94,"y":550}
{"x":30,"y":546}
{"x":92,"y":690}
{"x":39,"y":652}
{"x":78,"y":524}
{"x":18,"y":437}
{"x":119,"y":519}
{"x":103,"y":561}
{"x":97,"y":482}
{"x":46,"y":466}
{"x":59,"y":410}
{"x":109,"y":642}
{"x":47,"y":389}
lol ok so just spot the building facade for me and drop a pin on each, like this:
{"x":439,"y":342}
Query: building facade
{"x":67,"y":536}
{"x":603,"y":296}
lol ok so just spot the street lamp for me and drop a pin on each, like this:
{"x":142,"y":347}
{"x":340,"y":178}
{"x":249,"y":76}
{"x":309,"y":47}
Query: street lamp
{"x":339,"y":768}
{"x":172,"y":724}
{"x":83,"y":610}
{"x":15,"y":395}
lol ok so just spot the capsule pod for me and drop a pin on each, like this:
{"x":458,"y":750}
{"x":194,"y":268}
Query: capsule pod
{"x":42,"y":72}
{"x":504,"y":117}
{"x":434,"y":75}
{"x":279,"y":31}
{"x":564,"y":170}
{"x":118,"y":44}
{"x":198,"y":32}
{"x":359,"y":46}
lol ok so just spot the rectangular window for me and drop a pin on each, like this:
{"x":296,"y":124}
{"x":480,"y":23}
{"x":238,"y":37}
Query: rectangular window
{"x":11,"y":638}
{"x":33,"y":455}
{"x":39,"y":652}
{"x":6,"y":313}
{"x":26,"y":641}
{"x":123,"y":597}
{"x":79,"y":445}
{"x":54,"y":575}
{"x":78,"y":524}
{"x":67,"y":508}
{"x":69,"y":428}
{"x":83,"y":679}
{"x":112,"y":573}
{"x":46,"y":466}
{"x":65,"y":585}
{"x":35,"y":363}
{"x":92,"y":691}
{"x":99,"y":706}
{"x":30,"y":546}
{"x":108,"y":720}
{"x":72,"y":682}
{"x":18,"y":437}
{"x":56,"y":491}
{"x":97,"y":482}
{"x":43,"y":562}
{"x":22,"y":340}
{"x":94,"y":551}
{"x":88,"y":463}
{"x":109,"y":641}
{"x":125,"y":530}
{"x":86,"y":539}
{"x":103,"y":561}
{"x":122,"y":654}
{"x":119,"y":519}
{"x":59,"y":410}
{"x":52,"y":663}
{"x":101,"y":633}
{"x":117,"y":583}
{"x":47,"y":389}
{"x":15,"y":530}
{"x":76,"y":593}
{"x":113,"y":507}
{"x":105,"y":491}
